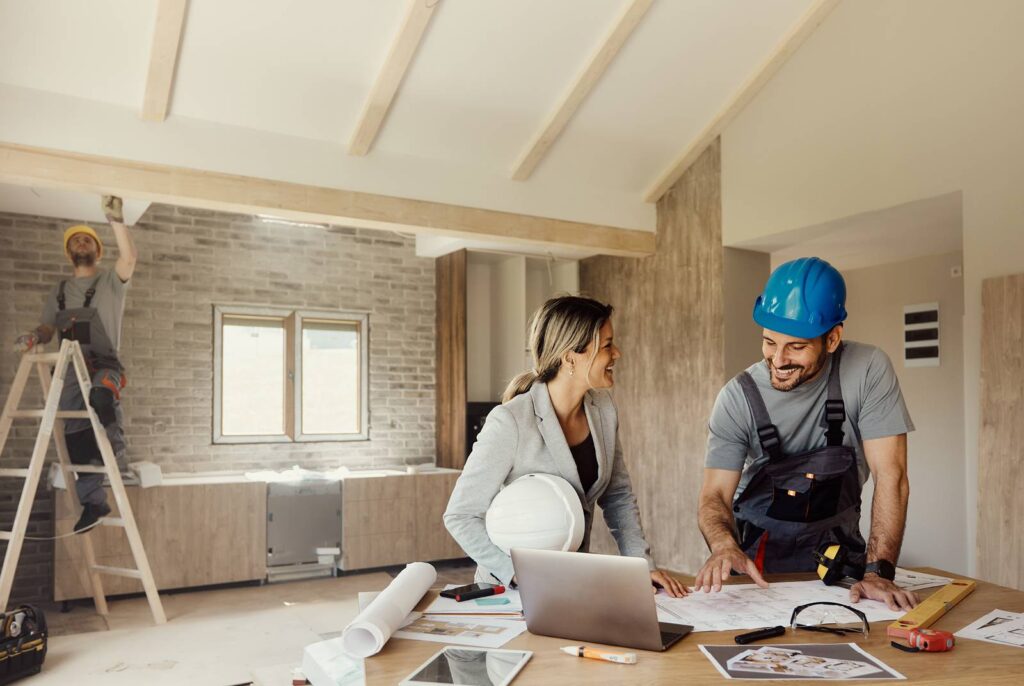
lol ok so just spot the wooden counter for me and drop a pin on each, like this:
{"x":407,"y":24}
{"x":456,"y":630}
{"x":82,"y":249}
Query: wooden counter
{"x":388,"y":520}
{"x":195,"y":535}
{"x":202,"y":531}
{"x":970,"y":662}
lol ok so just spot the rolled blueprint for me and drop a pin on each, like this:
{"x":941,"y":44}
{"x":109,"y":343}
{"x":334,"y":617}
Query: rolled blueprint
{"x":372,"y":628}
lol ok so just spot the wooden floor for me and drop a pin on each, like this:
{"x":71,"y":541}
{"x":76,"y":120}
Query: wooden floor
{"x":214,"y":637}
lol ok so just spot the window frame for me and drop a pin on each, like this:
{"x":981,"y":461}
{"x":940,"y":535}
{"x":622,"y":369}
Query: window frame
{"x":291,"y":318}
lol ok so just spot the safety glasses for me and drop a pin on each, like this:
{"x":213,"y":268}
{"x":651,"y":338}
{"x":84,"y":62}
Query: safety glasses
{"x":830,"y":618}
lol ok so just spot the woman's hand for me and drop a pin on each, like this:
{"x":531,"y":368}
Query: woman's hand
{"x":669,"y":583}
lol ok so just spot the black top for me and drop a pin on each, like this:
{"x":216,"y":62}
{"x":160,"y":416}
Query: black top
{"x":585,"y":456}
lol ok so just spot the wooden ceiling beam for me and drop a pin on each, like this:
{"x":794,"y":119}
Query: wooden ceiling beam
{"x":792,"y":41}
{"x":581,"y":88}
{"x":163,"y":58}
{"x":382,"y":95}
{"x":29,"y":166}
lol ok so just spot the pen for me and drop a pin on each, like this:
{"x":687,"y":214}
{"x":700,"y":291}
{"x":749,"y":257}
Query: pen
{"x":593,"y":654}
{"x":479,"y":593}
{"x":758,"y":634}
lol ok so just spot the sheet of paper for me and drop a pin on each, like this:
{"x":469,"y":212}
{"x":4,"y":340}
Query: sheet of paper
{"x":746,"y":606}
{"x":483,"y":632}
{"x":915,"y":581}
{"x":326,"y":664}
{"x":827,"y":662}
{"x":480,"y":606}
{"x":998,"y":626}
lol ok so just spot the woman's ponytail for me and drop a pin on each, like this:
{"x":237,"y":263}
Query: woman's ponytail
{"x":520,"y":384}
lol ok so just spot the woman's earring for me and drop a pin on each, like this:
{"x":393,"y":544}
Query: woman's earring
{"x":572,"y":370}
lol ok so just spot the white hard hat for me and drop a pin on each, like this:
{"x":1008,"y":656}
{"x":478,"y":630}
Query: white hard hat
{"x":539,"y":511}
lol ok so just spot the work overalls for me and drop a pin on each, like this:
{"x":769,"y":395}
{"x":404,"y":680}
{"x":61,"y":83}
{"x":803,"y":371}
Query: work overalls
{"x":795,"y":503}
{"x":83,"y":324}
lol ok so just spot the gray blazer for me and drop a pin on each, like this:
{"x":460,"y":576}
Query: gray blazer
{"x":523,"y":436}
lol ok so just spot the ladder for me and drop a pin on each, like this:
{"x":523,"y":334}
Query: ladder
{"x":70,"y":355}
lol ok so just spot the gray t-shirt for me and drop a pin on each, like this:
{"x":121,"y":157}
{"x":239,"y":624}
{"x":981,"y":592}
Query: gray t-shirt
{"x":874,"y":409}
{"x":108,"y":301}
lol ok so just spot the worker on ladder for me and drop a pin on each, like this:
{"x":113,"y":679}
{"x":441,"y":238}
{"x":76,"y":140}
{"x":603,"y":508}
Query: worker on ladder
{"x":89,"y":308}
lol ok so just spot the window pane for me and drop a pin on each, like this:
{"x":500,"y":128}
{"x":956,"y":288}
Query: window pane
{"x":252,"y":388}
{"x":330,"y":377}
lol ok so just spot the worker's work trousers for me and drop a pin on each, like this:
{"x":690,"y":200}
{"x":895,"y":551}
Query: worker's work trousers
{"x":79,"y":437}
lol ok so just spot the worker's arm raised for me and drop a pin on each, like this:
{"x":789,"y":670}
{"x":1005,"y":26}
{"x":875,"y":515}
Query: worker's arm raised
{"x":127,"y":254}
{"x":717,"y":524}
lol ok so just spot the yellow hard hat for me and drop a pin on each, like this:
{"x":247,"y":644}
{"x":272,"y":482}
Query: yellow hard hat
{"x":87,"y":230}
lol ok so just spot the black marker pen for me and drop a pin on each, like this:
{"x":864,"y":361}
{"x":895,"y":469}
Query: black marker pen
{"x":758,"y":634}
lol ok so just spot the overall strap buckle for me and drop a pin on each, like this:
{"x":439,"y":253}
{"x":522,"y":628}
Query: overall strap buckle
{"x":835,"y":415}
{"x":835,"y":411}
{"x":767,"y":434}
{"x":771,"y":444}
{"x":90,"y":292}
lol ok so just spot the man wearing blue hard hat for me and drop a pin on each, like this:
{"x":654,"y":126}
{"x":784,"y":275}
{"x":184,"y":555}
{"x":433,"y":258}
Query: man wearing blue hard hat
{"x":793,"y":439}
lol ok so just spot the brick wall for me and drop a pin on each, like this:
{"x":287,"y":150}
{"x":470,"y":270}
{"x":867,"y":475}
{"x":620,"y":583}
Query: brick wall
{"x":190,"y":260}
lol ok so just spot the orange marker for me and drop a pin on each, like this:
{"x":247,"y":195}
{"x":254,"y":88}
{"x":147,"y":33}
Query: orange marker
{"x":593,"y":654}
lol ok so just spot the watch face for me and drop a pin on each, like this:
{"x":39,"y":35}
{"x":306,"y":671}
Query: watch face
{"x":882,"y":568}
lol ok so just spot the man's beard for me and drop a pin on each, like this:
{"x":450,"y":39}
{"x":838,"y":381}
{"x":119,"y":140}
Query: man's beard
{"x":83,"y":259}
{"x":800,"y":375}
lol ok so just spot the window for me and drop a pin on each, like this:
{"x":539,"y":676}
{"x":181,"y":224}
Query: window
{"x":284,"y":375}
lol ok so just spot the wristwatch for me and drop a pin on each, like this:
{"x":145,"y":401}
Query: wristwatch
{"x":882,"y":568}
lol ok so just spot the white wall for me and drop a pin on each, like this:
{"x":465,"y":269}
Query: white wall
{"x":502,"y":293}
{"x":478,"y":332}
{"x":934,"y":396}
{"x":890,"y":102}
{"x":743,"y":275}
{"x":508,"y":319}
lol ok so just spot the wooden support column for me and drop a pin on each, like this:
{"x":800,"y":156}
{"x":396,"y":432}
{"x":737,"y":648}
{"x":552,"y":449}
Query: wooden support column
{"x":1000,"y":453}
{"x":669,"y":324}
{"x":451,"y":360}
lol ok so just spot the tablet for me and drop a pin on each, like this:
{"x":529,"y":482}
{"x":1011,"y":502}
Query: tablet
{"x":469,"y":667}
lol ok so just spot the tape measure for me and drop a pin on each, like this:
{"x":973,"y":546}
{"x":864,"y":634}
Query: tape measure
{"x":927,"y":641}
{"x":930,"y":610}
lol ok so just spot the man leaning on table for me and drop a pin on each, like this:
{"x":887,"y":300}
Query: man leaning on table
{"x":793,"y":439}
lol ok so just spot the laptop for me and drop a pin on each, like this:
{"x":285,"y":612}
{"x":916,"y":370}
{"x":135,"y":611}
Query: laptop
{"x":593,"y":598}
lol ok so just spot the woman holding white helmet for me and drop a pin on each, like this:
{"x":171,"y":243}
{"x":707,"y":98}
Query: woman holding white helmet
{"x":557,"y":422}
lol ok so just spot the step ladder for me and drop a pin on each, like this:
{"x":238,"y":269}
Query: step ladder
{"x":70,"y":356}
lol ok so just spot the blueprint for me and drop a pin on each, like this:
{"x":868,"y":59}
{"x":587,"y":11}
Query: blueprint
{"x":746,"y":606}
{"x":916,"y":581}
{"x":998,"y":626}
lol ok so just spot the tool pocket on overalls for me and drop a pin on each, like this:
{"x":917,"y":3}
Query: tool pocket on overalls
{"x":824,"y":498}
{"x":77,"y":330}
{"x":791,"y":498}
{"x":805,"y":497}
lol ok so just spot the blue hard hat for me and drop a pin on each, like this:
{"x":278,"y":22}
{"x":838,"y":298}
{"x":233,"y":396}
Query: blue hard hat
{"x":803,"y":298}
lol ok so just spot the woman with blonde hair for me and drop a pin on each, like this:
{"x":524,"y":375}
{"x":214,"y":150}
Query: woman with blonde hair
{"x":557,"y":418}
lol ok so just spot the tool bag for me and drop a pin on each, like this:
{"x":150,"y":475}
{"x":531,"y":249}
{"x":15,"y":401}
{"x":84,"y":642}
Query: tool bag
{"x":23,"y":647}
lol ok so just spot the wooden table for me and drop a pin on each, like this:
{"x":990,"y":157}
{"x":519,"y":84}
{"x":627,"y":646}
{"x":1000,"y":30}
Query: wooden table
{"x":970,"y":662}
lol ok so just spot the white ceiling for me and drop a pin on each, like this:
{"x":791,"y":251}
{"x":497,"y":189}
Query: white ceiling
{"x":274,"y":89}
{"x":933,"y":226}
